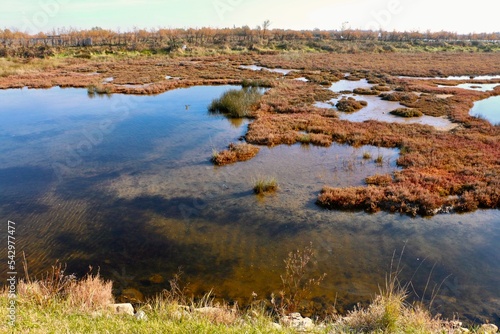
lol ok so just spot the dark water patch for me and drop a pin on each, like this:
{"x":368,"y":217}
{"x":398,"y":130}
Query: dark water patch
{"x":176,"y":207}
{"x":86,"y":185}
{"x":21,"y":188}
{"x":127,"y":242}
{"x":22,"y":206}
{"x":26,"y":177}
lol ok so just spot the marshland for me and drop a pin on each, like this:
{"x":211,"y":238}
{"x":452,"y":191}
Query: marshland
{"x":219,"y":159}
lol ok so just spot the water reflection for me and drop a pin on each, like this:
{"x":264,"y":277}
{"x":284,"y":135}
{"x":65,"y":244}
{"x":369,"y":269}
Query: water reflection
{"x":261,"y":68}
{"x":455,"y":77}
{"x":474,"y":86}
{"x":488,"y":109}
{"x":379,"y":110}
{"x":126,"y":184}
{"x":343,"y":85}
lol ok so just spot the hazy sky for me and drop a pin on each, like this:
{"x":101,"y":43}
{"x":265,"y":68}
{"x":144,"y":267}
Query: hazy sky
{"x":456,"y":16}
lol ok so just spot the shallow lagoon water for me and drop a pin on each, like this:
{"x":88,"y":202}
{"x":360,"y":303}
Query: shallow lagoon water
{"x":261,"y":68}
{"x":378,"y":109}
{"x":124,"y":183}
{"x":342,"y":85}
{"x":474,"y":86}
{"x":488,"y":109}
{"x":456,"y":77}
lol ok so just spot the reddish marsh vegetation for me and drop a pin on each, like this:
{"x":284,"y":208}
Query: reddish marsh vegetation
{"x":457,"y":170}
{"x":234,"y":153}
{"x":441,"y":170}
{"x":132,"y":75}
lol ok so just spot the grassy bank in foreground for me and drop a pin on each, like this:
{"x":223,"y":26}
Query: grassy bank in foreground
{"x":58,"y":313}
{"x":62,"y":304}
{"x":74,"y":313}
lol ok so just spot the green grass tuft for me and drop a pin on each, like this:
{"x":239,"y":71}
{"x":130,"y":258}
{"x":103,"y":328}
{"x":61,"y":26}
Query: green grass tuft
{"x":236,"y":103}
{"x":263,"y":185}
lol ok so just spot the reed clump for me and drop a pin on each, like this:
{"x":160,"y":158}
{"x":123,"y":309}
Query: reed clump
{"x":237,"y":103}
{"x":265,"y":185}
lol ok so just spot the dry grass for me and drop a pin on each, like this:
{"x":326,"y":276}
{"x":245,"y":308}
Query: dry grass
{"x":350,"y":105}
{"x":80,"y":306}
{"x":367,"y":155}
{"x":215,"y":312}
{"x":400,"y":97}
{"x":235,"y":153}
{"x":406,"y":112}
{"x":417,"y":64}
{"x":88,"y":294}
{"x":379,"y":180}
{"x":389,"y":313}
{"x":265,"y":185}
{"x":289,"y":97}
{"x":296,"y":280}
{"x":366,"y":91}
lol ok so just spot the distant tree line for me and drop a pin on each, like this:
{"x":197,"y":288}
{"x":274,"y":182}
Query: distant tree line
{"x":171,"y":39}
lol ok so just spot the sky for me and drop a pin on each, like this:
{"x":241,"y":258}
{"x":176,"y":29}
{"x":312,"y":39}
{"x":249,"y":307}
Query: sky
{"x":33,"y":16}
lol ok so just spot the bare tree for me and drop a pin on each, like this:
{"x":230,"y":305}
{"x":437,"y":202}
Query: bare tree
{"x":265,"y":27}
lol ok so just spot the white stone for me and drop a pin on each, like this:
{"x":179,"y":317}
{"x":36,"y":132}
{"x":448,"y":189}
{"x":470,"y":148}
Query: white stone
{"x":488,"y":329}
{"x":140,"y":315}
{"x":124,"y":308}
{"x":276,"y":326}
{"x":296,"y":321}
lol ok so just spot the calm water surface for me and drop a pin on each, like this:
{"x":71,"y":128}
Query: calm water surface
{"x":124,"y":183}
{"x":488,"y":109}
{"x":378,"y":109}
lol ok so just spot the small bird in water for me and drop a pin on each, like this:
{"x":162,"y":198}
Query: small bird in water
{"x":187,"y":106}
